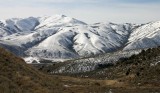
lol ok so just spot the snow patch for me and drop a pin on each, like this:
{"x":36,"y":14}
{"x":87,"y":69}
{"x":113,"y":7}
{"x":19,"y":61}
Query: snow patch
{"x":30,"y":60}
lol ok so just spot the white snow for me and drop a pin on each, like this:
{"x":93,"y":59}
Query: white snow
{"x":62,"y":37}
{"x":30,"y":60}
{"x":145,"y":36}
{"x":57,"y":21}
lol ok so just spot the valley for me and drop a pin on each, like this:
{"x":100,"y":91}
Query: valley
{"x":18,"y":77}
{"x":60,"y":54}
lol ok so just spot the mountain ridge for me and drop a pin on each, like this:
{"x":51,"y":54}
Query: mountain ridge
{"x":62,"y":37}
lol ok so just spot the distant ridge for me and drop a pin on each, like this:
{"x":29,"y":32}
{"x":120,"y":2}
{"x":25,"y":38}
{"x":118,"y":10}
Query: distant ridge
{"x":62,"y":37}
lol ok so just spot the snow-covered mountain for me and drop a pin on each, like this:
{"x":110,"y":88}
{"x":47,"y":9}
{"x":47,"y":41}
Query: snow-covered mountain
{"x":62,"y":37}
{"x":146,"y":36}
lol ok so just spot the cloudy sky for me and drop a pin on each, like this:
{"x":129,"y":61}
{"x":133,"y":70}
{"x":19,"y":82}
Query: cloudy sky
{"x":90,"y":11}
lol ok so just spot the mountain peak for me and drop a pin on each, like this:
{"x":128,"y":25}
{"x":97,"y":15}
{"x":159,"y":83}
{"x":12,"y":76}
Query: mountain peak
{"x":58,"y":21}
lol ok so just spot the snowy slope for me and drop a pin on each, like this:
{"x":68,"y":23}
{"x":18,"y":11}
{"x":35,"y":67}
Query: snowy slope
{"x":83,"y":40}
{"x":15,"y":25}
{"x":92,"y":63}
{"x":4,"y":31}
{"x":57,"y":21}
{"x":62,"y":37}
{"x":146,"y":36}
{"x":29,"y":32}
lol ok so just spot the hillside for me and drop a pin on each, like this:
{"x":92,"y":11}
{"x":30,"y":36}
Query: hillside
{"x":138,"y":70}
{"x":18,"y":77}
{"x":84,"y":64}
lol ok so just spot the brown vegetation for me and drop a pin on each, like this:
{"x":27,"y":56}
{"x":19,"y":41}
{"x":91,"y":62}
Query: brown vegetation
{"x":131,"y":75}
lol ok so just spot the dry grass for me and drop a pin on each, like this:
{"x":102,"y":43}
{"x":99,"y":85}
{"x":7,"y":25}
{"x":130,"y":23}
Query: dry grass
{"x":18,"y":77}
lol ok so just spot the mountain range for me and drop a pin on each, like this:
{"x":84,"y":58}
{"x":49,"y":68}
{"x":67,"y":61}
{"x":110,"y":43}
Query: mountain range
{"x":62,"y":37}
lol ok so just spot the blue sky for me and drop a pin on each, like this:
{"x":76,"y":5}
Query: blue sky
{"x":90,"y":11}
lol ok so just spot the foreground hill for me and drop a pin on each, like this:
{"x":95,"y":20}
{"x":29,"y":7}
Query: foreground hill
{"x":18,"y":77}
